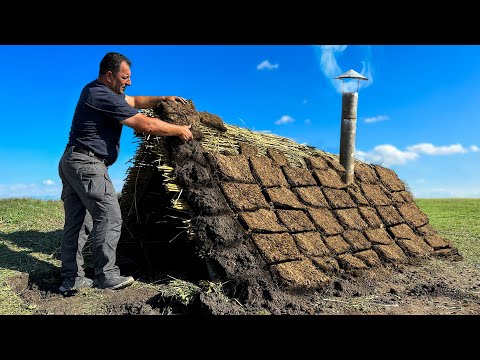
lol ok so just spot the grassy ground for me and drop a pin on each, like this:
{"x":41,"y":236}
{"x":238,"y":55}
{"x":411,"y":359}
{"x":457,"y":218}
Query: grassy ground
{"x":30,"y":235}
{"x":458,"y":220}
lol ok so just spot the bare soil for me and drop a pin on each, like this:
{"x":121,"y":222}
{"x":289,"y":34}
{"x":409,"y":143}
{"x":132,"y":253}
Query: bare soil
{"x":433,"y":286}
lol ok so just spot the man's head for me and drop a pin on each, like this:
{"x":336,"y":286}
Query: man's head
{"x":115,"y":72}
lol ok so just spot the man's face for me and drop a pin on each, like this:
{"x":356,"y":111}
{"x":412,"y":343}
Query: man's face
{"x":121,"y":79}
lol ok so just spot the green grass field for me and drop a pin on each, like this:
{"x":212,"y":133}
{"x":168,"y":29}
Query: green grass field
{"x":31,"y":230}
{"x":458,"y":220}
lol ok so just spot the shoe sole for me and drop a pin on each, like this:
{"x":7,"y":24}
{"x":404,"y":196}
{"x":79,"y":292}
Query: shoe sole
{"x":124,"y":284}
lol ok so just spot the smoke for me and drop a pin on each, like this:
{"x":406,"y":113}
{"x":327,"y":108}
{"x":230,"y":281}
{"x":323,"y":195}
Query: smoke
{"x":328,"y":56}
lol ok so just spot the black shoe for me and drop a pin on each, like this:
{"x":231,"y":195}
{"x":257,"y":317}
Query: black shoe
{"x":113,"y":283}
{"x":75,"y":283}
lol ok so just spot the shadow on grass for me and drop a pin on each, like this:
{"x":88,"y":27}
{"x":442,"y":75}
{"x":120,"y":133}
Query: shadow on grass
{"x":33,"y":246}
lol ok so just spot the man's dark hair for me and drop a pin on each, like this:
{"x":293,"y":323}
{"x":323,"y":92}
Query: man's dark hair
{"x":111,"y":62}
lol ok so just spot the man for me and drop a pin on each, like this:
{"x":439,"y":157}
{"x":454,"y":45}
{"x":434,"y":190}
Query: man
{"x":90,"y":201}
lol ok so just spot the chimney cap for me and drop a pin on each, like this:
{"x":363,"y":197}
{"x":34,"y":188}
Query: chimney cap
{"x":351,"y":74}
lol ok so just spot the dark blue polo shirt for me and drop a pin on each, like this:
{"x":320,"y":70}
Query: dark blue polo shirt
{"x":96,"y":121}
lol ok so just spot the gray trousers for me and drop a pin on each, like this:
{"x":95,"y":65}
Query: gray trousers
{"x":91,"y":208}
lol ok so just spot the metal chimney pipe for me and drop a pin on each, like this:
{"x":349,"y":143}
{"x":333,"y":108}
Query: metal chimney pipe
{"x":348,"y":133}
{"x":349,"y":126}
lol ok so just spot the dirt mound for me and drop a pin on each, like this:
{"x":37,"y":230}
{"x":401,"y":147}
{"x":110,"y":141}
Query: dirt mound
{"x":270,"y":219}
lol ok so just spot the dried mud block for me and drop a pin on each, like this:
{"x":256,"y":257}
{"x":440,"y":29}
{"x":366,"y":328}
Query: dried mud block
{"x":295,"y":220}
{"x":351,"y":219}
{"x":413,"y":215}
{"x":231,"y":168}
{"x":338,"y":198}
{"x":207,"y":201}
{"x":402,"y":231}
{"x":327,"y":264}
{"x":365,"y":173}
{"x":300,"y":274}
{"x":316,"y":162}
{"x":268,"y":173}
{"x":397,"y":197}
{"x":389,"y":215}
{"x":389,"y":178}
{"x":407,"y":196}
{"x":248,"y":150}
{"x":357,"y":240}
{"x":277,"y":156}
{"x":262,"y":220}
{"x":436,"y":242}
{"x":283,"y":197}
{"x":222,"y":230}
{"x":370,"y":216}
{"x":415,"y":247}
{"x":244,"y":197}
{"x":350,"y":262}
{"x":325,"y":221}
{"x":356,"y":195}
{"x":277,"y":247}
{"x":329,"y":178}
{"x":212,"y":120}
{"x":334,"y":163}
{"x":426,"y":229}
{"x":369,"y":257}
{"x":391,"y":253}
{"x":336,"y":244}
{"x":298,"y":176}
{"x":450,"y":253}
{"x":311,"y":244}
{"x":375,"y":194}
{"x":311,"y":195}
{"x":378,"y":236}
{"x":190,"y":173}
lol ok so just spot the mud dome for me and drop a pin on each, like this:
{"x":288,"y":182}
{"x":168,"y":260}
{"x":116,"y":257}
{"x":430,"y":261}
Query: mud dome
{"x":269,"y":218}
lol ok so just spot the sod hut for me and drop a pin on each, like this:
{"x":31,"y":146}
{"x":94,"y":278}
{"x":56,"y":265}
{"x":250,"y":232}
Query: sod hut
{"x":257,"y":210}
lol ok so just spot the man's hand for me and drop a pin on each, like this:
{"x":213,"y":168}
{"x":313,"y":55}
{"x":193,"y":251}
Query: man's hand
{"x":176,"y":98}
{"x":184,"y":132}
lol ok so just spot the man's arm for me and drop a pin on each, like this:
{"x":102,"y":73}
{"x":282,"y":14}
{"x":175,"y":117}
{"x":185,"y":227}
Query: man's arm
{"x":155,"y":126}
{"x":146,"y":102}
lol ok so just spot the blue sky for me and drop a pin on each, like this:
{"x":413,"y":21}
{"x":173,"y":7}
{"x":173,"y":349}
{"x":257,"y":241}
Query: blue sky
{"x":417,"y":113}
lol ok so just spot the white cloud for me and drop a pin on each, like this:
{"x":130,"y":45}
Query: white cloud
{"x":48,"y":190}
{"x":285,"y":119}
{"x":447,"y":193}
{"x":374,"y":119}
{"x":308,"y":121}
{"x":44,"y":191}
{"x":474,"y":148}
{"x":433,"y":193}
{"x":265,"y":64}
{"x":430,"y":149}
{"x":328,"y":64}
{"x":48,"y":182}
{"x":386,"y":155}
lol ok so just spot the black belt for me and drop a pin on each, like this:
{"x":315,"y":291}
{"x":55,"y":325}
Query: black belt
{"x":80,"y":150}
